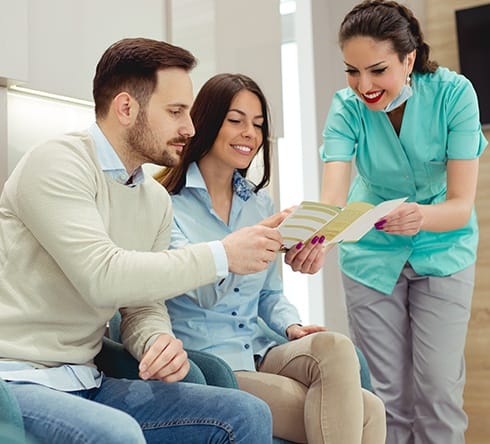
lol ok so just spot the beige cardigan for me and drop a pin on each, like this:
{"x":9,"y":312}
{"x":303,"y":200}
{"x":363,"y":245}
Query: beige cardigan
{"x":75,"y":246}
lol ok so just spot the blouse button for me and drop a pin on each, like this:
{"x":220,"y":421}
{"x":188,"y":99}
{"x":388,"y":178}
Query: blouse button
{"x":247,"y":346}
{"x":236,"y":289}
{"x":233,"y":313}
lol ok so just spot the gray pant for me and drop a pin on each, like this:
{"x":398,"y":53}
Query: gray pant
{"x":414,"y":342}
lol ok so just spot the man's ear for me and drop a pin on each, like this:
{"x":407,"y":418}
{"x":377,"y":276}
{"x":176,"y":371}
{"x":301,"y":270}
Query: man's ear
{"x":126,"y":108}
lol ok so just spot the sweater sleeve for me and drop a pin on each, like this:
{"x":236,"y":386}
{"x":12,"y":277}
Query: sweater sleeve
{"x":56,"y":191}
{"x":140,"y":324}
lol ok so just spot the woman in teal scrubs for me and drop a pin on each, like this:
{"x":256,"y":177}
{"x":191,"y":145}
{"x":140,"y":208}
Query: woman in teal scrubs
{"x":413,"y":130}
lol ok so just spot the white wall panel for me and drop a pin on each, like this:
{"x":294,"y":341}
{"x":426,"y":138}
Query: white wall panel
{"x":67,"y":38}
{"x":13,"y":41}
{"x":232,"y":36}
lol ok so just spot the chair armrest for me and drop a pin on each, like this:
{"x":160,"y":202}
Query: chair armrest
{"x":216,"y":371}
{"x":365,"y":372}
{"x":11,"y":423}
{"x":9,"y":407}
{"x":115,"y":361}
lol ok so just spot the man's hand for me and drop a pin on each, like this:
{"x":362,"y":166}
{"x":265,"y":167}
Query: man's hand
{"x":277,"y":218}
{"x":307,"y":258}
{"x":251,"y":249}
{"x":165,"y":360}
{"x":296,"y":331}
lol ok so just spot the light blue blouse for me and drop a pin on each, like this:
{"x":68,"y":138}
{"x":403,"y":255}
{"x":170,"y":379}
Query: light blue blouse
{"x":222,"y":318}
{"x":440,"y":122}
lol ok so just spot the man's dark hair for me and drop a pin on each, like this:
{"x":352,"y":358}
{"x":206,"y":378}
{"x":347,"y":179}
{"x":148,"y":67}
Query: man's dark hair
{"x":131,"y":65}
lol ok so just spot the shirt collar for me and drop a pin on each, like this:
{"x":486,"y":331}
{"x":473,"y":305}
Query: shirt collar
{"x":110,"y":161}
{"x":241,"y":186}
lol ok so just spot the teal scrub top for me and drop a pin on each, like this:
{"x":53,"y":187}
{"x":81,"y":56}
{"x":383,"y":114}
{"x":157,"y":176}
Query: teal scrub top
{"x":440,"y":122}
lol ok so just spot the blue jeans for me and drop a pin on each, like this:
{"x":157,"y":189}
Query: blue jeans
{"x":135,"y":411}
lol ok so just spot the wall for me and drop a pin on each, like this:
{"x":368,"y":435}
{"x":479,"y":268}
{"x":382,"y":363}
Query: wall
{"x":54,"y":45}
{"x":13,"y":41}
{"x":230,"y":36}
{"x":441,"y":34}
{"x":67,"y":37}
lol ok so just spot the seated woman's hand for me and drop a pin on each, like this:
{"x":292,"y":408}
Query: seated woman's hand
{"x":307,"y":258}
{"x":296,"y":331}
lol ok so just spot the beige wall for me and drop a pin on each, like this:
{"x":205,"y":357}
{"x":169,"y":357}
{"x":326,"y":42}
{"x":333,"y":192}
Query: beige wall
{"x":440,"y":32}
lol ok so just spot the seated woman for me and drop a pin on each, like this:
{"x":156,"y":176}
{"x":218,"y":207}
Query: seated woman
{"x":311,"y":383}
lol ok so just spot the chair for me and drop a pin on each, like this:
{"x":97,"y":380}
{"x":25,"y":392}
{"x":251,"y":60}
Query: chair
{"x":212,"y":370}
{"x":115,"y":361}
{"x":11,"y":423}
{"x":205,"y":367}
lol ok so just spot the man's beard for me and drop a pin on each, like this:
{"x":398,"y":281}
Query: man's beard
{"x":141,"y":140}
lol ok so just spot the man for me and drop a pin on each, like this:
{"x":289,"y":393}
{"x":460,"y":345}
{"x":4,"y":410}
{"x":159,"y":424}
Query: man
{"x":82,"y":234}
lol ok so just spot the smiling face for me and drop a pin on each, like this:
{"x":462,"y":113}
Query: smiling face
{"x":374,"y":71}
{"x":163,"y":127}
{"x":240,"y":135}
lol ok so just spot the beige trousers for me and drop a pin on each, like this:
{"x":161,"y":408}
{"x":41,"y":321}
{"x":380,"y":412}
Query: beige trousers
{"x":312,"y":386}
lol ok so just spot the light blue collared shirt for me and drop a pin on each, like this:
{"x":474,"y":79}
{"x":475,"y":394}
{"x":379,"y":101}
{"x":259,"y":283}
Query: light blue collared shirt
{"x":66,"y":378}
{"x":222,"y":318}
{"x":110,"y":162}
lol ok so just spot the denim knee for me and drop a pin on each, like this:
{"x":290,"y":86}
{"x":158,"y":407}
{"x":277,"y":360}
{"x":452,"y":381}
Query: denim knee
{"x":255,"y":421}
{"x":117,"y":428}
{"x":126,"y":430}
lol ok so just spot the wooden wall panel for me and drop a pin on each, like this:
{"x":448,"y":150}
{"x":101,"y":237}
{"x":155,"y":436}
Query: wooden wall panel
{"x":440,"y":32}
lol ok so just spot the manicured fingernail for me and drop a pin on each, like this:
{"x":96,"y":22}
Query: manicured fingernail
{"x":378,"y":225}
{"x":314,"y":240}
{"x":322,"y":239}
{"x":299,"y":245}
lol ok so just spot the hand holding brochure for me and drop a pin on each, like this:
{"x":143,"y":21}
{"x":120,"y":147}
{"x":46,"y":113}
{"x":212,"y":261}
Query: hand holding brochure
{"x":346,"y":224}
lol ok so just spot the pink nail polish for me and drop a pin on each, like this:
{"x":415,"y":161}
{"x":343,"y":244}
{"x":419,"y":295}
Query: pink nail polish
{"x":322,"y":239}
{"x":299,"y":245}
{"x":314,"y":240}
